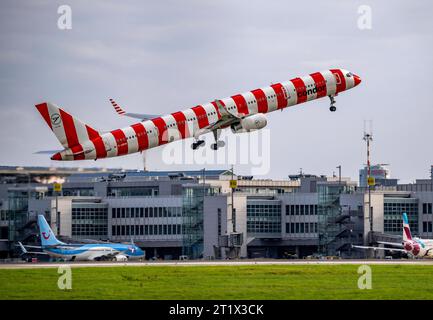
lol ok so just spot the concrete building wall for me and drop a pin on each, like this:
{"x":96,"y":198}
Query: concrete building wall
{"x":377,"y":202}
{"x":297,"y":199}
{"x":212,"y":206}
{"x":144,"y":202}
{"x":240,"y":204}
{"x":425,"y":203}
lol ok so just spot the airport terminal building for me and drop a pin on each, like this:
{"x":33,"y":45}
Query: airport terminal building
{"x":199,"y":215}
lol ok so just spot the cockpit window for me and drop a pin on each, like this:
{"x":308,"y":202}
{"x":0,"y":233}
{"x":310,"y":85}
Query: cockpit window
{"x":349,"y":74}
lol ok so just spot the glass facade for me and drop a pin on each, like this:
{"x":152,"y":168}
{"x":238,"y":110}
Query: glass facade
{"x":146,"y":230}
{"x":89,"y":220}
{"x":301,"y":227}
{"x":301,"y":209}
{"x":78,"y":192}
{"x":192,"y":219}
{"x":139,"y":191}
{"x":263,"y":216}
{"x":393,"y":208}
{"x":18,"y":201}
{"x":146,"y":212}
{"x":328,"y":210}
{"x":18,"y":209}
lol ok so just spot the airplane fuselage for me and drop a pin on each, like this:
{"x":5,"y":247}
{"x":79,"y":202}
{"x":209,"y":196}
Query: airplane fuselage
{"x":419,"y":248}
{"x":94,"y":251}
{"x":86,"y":143}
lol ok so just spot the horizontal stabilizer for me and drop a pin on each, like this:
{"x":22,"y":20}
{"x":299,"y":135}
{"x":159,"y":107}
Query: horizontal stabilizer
{"x":47,"y":151}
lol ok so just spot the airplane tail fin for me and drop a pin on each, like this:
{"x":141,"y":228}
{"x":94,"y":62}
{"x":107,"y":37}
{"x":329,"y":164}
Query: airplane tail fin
{"x":406,"y":228}
{"x":69,"y":130}
{"x":47,"y":235}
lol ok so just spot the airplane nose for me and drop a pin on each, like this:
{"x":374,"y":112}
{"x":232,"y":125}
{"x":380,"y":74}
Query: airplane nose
{"x":357,"y":79}
{"x":57,"y":156}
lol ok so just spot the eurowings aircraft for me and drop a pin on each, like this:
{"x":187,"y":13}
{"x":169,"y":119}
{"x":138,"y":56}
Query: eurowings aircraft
{"x":76,"y":252}
{"x":415,"y":247}
{"x":243,"y":112}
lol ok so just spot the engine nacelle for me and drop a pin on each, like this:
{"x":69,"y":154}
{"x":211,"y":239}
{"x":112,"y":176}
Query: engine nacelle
{"x":415,"y":248}
{"x":250,"y":123}
{"x":121,"y":257}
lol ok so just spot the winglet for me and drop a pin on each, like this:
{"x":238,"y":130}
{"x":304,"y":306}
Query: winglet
{"x":116,"y":107}
{"x":140,"y":116}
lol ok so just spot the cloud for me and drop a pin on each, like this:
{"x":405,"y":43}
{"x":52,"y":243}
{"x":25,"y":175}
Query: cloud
{"x":160,"y":57}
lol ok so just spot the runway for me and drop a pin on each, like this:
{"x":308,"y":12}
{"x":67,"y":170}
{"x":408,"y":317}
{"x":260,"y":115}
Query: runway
{"x":82,"y":264}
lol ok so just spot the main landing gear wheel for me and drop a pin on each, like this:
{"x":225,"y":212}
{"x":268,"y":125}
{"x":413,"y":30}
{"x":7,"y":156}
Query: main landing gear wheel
{"x":218,"y":144}
{"x":332,"y":108}
{"x":197,"y":144}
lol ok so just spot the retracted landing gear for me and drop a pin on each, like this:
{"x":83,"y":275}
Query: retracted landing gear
{"x":332,"y":108}
{"x":218,"y":143}
{"x":197,"y":144}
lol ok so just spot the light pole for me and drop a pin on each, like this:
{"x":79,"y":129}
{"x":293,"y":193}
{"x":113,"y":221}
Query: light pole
{"x":369,"y":137}
{"x":339,"y":174}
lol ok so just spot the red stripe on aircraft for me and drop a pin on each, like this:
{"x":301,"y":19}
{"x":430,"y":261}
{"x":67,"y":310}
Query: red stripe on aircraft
{"x":96,"y":139}
{"x":201,"y":115}
{"x":217,"y":110}
{"x":121,"y":141}
{"x":341,"y":85}
{"x":241,"y":104}
{"x":43,"y":110}
{"x":320,"y":83}
{"x":69,"y":126}
{"x":181,"y":124}
{"x":101,"y":152}
{"x":262,"y":101}
{"x":160,"y":125}
{"x":281,"y":98}
{"x":92,"y":133}
{"x":142,"y":138}
{"x":301,"y":91}
{"x":77,"y":150}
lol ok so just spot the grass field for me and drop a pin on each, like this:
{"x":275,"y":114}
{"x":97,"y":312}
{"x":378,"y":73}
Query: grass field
{"x":221,"y":282}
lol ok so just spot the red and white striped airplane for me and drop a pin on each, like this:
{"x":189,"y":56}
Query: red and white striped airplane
{"x":243,"y":112}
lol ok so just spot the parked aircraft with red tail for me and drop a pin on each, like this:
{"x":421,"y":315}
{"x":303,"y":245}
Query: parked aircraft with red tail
{"x":243,"y":112}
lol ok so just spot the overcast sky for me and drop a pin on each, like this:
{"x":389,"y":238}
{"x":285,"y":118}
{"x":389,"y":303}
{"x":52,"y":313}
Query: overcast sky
{"x":156,"y":57}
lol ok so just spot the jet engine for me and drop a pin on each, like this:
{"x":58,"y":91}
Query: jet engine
{"x":120,"y":257}
{"x":250,"y":123}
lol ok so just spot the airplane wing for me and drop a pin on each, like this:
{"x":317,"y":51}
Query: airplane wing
{"x":24,"y":250}
{"x":227,"y":118}
{"x":395,"y":244}
{"x":140,"y":116}
{"x":379,"y":248}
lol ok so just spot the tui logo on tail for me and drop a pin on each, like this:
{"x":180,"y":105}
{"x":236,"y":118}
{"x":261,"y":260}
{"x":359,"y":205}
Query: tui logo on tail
{"x":45,"y":235}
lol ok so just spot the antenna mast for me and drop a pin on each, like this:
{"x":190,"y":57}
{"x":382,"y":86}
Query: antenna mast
{"x":368,"y":137}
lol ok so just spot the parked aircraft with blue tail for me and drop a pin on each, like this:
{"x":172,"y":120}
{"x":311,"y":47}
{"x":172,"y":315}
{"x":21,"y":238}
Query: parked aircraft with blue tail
{"x":74,"y":252}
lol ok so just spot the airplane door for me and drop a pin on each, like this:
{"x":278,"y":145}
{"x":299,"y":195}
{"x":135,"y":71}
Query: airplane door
{"x":107,"y":144}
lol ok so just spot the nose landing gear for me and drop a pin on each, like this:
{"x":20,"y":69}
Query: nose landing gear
{"x":332,"y":108}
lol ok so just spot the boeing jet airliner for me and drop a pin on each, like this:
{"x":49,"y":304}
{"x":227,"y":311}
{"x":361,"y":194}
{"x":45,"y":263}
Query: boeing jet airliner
{"x":243,"y":112}
{"x":95,"y":251}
